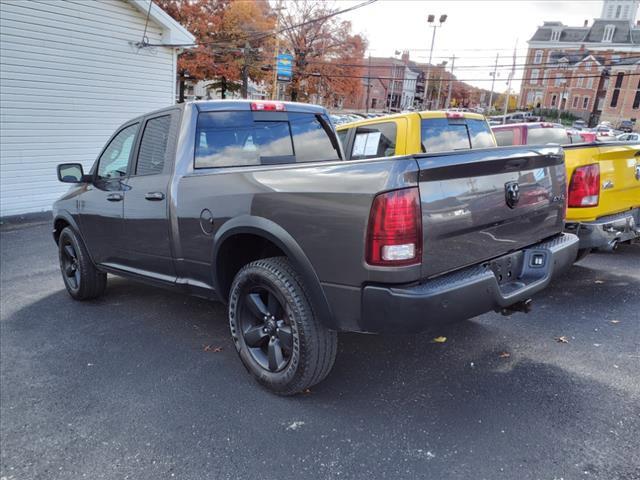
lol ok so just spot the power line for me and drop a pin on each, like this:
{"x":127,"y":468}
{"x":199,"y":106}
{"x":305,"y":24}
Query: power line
{"x":519,"y":66}
{"x":317,"y":74}
{"x":269,"y":34}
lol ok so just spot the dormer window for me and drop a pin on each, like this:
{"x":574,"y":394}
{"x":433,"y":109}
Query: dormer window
{"x":608,"y":33}
{"x":555,"y":35}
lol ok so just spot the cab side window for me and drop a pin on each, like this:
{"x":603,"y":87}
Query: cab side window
{"x":504,"y":137}
{"x":114,"y":161}
{"x":372,"y":141}
{"x":153,"y":146}
{"x":342,"y":137}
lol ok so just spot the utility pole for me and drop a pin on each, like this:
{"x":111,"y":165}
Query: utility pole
{"x":368,"y":83}
{"x":493,"y":82}
{"x":274,"y":91}
{"x":440,"y":86}
{"x":245,"y":71}
{"x":393,"y":84}
{"x":513,"y":70}
{"x":453,"y":62}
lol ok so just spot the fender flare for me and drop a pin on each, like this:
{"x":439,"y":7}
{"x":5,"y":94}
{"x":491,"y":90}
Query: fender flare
{"x":273,"y":232}
{"x":67,"y":217}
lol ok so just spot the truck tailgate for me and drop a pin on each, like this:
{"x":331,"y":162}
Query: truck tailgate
{"x":480,"y":204}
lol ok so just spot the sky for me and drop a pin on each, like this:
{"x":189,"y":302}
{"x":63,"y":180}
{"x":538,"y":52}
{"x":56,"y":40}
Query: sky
{"x":475,"y":31}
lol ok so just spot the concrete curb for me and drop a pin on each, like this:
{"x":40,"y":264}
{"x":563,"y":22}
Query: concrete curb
{"x":12,"y":222}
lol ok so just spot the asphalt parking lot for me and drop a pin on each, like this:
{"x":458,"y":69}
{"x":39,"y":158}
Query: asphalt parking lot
{"x":145,"y":384}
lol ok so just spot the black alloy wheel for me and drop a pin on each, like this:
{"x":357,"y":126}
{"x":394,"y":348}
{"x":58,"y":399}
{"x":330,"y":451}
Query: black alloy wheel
{"x":263,"y":324}
{"x":69,"y":265}
{"x":81,"y":277}
{"x":275,"y":330}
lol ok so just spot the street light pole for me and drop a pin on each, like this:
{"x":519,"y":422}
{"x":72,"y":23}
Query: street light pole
{"x":431,"y":19}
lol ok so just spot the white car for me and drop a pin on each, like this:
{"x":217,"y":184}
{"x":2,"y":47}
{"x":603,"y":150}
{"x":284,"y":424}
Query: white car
{"x":629,"y":137}
{"x":604,"y":131}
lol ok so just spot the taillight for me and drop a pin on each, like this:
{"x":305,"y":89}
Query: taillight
{"x":584,"y":188}
{"x":268,"y":106}
{"x":394,"y":235}
{"x":454,"y":115}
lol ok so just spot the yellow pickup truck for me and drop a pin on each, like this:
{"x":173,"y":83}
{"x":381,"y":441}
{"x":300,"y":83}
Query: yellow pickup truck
{"x":603,"y":196}
{"x":603,"y":178}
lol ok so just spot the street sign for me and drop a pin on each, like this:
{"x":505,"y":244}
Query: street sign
{"x":285,"y":67}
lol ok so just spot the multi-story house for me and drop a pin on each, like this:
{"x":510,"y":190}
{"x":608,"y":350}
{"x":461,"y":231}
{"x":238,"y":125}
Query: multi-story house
{"x":568,"y":68}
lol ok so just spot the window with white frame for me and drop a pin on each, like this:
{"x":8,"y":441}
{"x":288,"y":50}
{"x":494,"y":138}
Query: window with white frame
{"x":608,"y":33}
{"x":590,"y":82}
{"x":585,"y":102}
{"x":555,"y":35}
{"x":559,"y":80}
{"x":530,"y":98}
{"x":576,"y":99}
{"x":534,"y":76}
{"x":579,"y":82}
{"x":538,"y":57}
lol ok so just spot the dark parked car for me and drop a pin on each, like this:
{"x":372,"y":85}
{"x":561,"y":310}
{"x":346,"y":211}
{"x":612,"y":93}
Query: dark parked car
{"x":626,"y":126}
{"x":251,"y":203}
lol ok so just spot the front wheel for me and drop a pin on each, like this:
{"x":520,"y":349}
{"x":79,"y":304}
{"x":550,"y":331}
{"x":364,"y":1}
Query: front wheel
{"x":82,"y":279}
{"x":275,"y":331}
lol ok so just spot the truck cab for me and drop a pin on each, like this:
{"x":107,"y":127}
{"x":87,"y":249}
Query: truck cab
{"x":415,"y":132}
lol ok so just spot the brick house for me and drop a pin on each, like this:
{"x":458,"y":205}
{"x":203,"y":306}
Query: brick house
{"x":568,"y":67}
{"x":622,"y":98}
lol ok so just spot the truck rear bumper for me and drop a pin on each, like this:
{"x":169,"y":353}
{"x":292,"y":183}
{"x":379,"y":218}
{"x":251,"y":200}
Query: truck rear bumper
{"x":606,"y":232}
{"x":493,"y":285}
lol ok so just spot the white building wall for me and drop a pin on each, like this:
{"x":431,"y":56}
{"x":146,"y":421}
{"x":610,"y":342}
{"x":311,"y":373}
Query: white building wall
{"x":69,"y":75}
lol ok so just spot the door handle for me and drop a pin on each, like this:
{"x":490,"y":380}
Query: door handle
{"x":115,"y":197}
{"x":154,"y":196}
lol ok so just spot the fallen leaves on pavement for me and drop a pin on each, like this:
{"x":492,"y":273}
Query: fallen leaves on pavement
{"x":439,"y":340}
{"x":614,"y":321}
{"x":211,"y":348}
{"x":504,"y":355}
{"x":562,"y":339}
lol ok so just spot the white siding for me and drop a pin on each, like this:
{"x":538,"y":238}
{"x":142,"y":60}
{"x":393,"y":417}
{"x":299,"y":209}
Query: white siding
{"x":69,"y":75}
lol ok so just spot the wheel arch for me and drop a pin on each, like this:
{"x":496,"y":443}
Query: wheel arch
{"x":61,"y":220}
{"x":277,"y":241}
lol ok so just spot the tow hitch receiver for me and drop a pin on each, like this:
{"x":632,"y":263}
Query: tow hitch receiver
{"x":523,"y":306}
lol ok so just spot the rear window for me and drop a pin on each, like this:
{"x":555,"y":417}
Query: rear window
{"x":546,"y":135}
{"x":445,"y":134}
{"x":233,"y":139}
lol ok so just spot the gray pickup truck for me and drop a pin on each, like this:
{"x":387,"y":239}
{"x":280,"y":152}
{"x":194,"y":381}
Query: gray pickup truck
{"x":251,"y":203}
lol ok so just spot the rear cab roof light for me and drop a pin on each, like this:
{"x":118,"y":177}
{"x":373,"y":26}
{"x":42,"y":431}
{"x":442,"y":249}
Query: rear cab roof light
{"x":454,"y":115}
{"x":265,"y":106}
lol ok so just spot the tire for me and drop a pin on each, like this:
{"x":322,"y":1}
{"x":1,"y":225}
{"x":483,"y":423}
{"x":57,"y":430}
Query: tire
{"x":583,"y":252}
{"x":81,"y":278}
{"x":269,"y":310}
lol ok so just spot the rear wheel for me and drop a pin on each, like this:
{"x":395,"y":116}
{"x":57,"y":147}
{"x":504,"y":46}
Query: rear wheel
{"x":82,"y":279}
{"x":275,"y":331}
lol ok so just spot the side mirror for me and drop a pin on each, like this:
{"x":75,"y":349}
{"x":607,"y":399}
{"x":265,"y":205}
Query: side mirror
{"x":71,"y":173}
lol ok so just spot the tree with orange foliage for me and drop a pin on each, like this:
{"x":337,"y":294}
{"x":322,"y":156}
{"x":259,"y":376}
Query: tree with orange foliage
{"x":323,"y":51}
{"x":228,"y":35}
